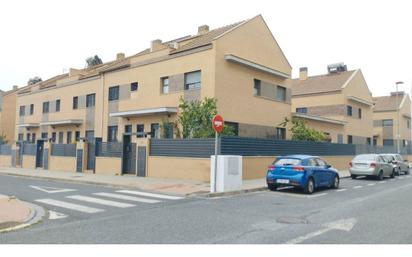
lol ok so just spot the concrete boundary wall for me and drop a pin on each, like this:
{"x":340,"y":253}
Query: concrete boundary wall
{"x":62,"y":163}
{"x":108,"y":166}
{"x":179,"y":168}
{"x":29,"y":162}
{"x":5,"y":161}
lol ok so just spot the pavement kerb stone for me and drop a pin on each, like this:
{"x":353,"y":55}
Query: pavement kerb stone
{"x":238,"y":192}
{"x":82,"y":182}
{"x":36,"y":215}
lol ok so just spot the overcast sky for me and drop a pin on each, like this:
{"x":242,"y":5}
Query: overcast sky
{"x":44,"y":38}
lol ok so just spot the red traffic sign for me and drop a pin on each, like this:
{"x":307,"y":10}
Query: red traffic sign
{"x":217,"y":123}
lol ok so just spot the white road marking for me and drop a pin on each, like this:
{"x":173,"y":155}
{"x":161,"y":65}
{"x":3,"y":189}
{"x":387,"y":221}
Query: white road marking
{"x":371,"y":185}
{"x":100,"y":201}
{"x":71,"y":206}
{"x":127,"y":197}
{"x":316,"y":195}
{"x":52,"y":190}
{"x":357,"y":187}
{"x":343,"y":225}
{"x":54,"y":215}
{"x":382,"y":182}
{"x":169,"y":197}
{"x":400,"y":177}
{"x":341,"y":190}
{"x":408,"y":176}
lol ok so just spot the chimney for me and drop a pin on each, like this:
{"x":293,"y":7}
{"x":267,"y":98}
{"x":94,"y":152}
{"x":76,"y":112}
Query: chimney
{"x":303,"y":73}
{"x":120,"y":56}
{"x":156,"y":45}
{"x":202,"y":29}
{"x":15,"y":87}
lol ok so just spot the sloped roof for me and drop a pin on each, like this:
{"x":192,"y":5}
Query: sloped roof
{"x":387,"y":103}
{"x":192,"y":43}
{"x":321,"y":83}
{"x":205,"y":39}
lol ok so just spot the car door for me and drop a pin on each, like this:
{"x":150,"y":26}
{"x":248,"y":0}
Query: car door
{"x":323,"y":172}
{"x":317,"y":172}
{"x":385,"y":165}
{"x":404,"y":166}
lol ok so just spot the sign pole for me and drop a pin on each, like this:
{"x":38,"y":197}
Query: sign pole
{"x":217,"y":124}
{"x":215,"y":170}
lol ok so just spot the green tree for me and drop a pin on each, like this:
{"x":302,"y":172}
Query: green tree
{"x":301,"y":132}
{"x":195,"y":118}
{"x":169,"y":128}
{"x":3,"y":139}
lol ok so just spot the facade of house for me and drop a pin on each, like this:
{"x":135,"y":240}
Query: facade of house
{"x":390,"y":112}
{"x":141,"y":93}
{"x":8,"y":114}
{"x":338,"y":103}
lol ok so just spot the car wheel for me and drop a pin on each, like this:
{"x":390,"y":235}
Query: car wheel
{"x":310,"y":186}
{"x":272,"y":187}
{"x":335,"y":183}
{"x":393,"y":174}
{"x":353,"y":176}
{"x":407,"y":172}
{"x":380,"y":175}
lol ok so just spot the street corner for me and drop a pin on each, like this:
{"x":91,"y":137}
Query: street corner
{"x":16,"y":214}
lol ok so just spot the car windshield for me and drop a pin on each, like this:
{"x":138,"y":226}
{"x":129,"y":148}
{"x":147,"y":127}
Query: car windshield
{"x":288,"y":162}
{"x":388,"y":157}
{"x":365,"y":157}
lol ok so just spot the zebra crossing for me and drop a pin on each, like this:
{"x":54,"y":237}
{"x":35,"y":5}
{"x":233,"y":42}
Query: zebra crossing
{"x":100,"y":201}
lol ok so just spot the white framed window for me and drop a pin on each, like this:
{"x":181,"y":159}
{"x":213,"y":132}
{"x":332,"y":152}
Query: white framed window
{"x":165,"y":85}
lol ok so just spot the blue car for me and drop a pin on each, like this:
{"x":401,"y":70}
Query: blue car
{"x":303,"y":171}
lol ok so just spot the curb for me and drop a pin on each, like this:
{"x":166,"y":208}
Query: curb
{"x":85,"y":182}
{"x":238,"y":192}
{"x":231,"y":193}
{"x":36,"y":215}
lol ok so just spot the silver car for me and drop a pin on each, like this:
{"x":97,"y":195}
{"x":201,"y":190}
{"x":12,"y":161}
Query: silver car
{"x":371,"y":165}
{"x":399,"y":164}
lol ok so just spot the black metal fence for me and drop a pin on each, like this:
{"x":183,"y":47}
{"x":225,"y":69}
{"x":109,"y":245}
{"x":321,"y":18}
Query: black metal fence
{"x":64,"y":150}
{"x":29,"y":149}
{"x":109,"y":149}
{"x":201,"y":148}
{"x":5,"y":149}
{"x":245,"y":146}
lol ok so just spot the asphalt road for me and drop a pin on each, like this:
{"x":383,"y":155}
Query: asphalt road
{"x":361,"y":211}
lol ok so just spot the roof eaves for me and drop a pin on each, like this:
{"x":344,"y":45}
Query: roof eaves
{"x":350,"y":78}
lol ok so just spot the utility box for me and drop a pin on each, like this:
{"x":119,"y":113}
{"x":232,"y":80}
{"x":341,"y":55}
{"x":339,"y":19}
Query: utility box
{"x":229,"y":173}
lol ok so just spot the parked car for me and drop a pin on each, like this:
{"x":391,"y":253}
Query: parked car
{"x":371,"y":165}
{"x":303,"y":171}
{"x":399,"y":164}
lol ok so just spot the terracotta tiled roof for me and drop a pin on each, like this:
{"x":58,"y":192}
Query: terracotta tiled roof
{"x":320,"y":84}
{"x":386,"y":103}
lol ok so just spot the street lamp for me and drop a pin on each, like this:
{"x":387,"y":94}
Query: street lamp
{"x":398,"y":137}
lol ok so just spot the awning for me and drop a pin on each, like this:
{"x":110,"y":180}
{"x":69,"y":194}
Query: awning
{"x":361,"y":101}
{"x":28,"y":125}
{"x":256,"y":66}
{"x":145,"y":112}
{"x":318,"y":118}
{"x":61,"y":122}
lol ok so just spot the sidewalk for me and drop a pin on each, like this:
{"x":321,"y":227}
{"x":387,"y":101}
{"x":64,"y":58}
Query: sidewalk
{"x":12,"y":212}
{"x":168,"y":186}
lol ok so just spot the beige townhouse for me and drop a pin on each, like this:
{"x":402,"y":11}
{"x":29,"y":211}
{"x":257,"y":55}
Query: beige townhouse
{"x":241,"y":65}
{"x":8,"y":101}
{"x":389,"y":113}
{"x":338,"y":103}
